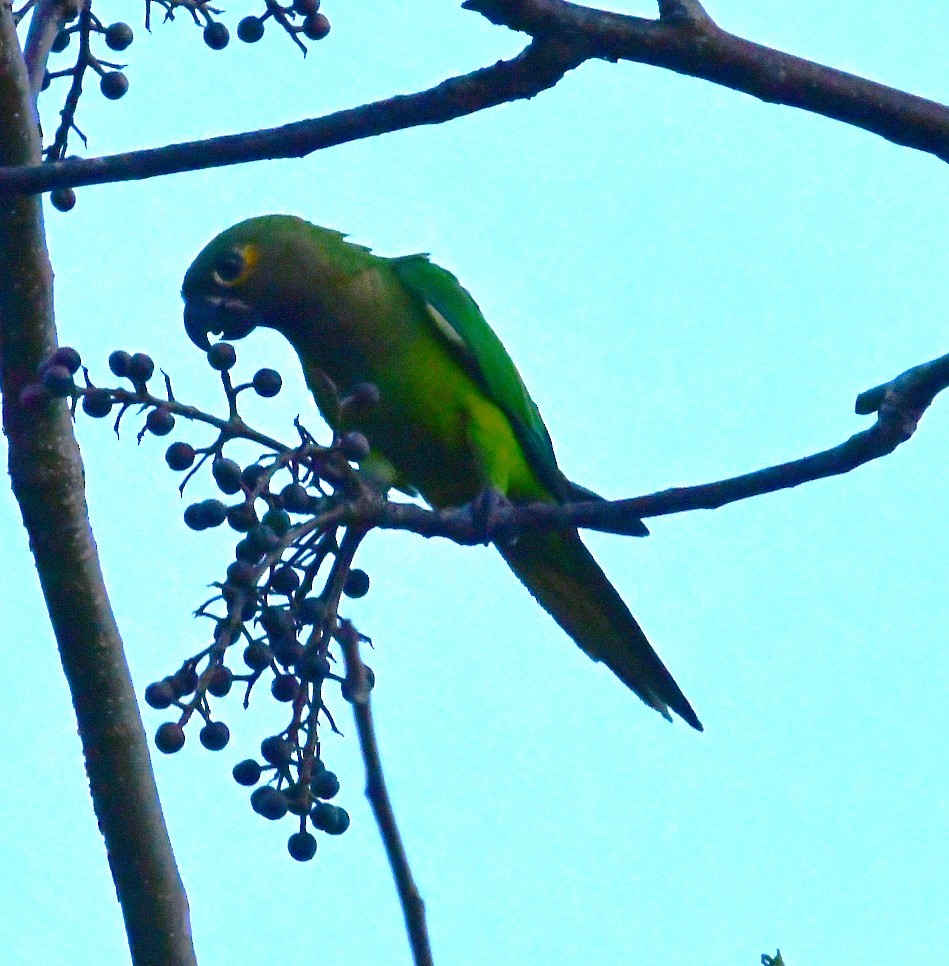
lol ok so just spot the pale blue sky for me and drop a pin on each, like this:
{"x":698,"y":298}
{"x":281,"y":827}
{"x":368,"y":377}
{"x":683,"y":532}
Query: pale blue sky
{"x":693,"y":284}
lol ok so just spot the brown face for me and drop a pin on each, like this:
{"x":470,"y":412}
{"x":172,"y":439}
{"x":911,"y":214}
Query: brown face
{"x":213,"y":292}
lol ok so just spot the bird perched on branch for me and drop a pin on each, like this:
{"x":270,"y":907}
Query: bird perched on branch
{"x":453,"y":421}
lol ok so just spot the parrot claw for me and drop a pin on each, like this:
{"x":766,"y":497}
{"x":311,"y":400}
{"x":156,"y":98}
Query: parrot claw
{"x":487,"y":515}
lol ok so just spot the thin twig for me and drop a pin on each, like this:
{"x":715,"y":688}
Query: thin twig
{"x":413,"y":906}
{"x":46,"y":21}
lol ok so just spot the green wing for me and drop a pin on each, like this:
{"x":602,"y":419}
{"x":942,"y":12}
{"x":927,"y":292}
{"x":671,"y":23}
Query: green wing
{"x":457,"y":318}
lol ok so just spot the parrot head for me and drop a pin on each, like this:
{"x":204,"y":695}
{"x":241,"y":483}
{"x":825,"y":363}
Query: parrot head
{"x":258,"y":272}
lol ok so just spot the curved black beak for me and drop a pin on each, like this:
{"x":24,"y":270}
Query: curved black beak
{"x":217,"y":315}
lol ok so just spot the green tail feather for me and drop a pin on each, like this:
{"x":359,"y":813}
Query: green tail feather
{"x":568,"y":583}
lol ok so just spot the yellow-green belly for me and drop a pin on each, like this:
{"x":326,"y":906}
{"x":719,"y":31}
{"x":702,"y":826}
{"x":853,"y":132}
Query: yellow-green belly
{"x":444,"y":436}
{"x":436,"y":427}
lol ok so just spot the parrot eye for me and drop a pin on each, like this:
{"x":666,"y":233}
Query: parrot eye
{"x":230,"y":268}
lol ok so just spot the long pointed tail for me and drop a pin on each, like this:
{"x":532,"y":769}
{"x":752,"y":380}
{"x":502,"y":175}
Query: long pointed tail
{"x":568,"y":583}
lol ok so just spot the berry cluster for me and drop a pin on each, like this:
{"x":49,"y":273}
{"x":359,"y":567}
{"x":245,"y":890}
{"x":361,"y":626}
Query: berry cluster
{"x":278,"y":604}
{"x":301,"y":20}
{"x":112,"y":81}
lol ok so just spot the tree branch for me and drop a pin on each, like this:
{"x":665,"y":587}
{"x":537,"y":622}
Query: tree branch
{"x":689,"y":42}
{"x":413,"y":906}
{"x":47,"y":476}
{"x":539,"y":66}
{"x":899,"y":405}
{"x":684,"y":39}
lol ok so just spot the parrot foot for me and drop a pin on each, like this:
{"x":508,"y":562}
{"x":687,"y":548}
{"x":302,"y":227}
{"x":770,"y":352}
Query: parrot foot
{"x":487,"y":515}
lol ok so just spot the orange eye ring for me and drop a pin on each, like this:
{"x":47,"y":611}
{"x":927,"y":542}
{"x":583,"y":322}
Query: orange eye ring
{"x":235,"y":266}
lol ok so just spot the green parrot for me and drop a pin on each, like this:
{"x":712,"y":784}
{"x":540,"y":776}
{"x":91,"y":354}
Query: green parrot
{"x":454,"y":420}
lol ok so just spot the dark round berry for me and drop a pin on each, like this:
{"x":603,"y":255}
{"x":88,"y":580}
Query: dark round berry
{"x":63,"y":199}
{"x":160,"y":421}
{"x":348,"y":687}
{"x":364,"y":395}
{"x":278,"y":521}
{"x":267,"y":383}
{"x":194,"y":517}
{"x":312,"y":610}
{"x":227,"y":475}
{"x":119,"y":362}
{"x":284,"y":687}
{"x":215,"y":735}
{"x":68,"y":357}
{"x":141,"y":367}
{"x":214,"y":512}
{"x":97,"y":403}
{"x":184,"y":680}
{"x":286,"y":650}
{"x":58,"y":380}
{"x":204,"y":515}
{"x":247,"y":551}
{"x":252,"y":474}
{"x":285,"y":580}
{"x":247,"y":772}
{"x":316,"y":27}
{"x":169,"y":738}
{"x":114,"y":84}
{"x":180,"y":456}
{"x":257,"y":656}
{"x":60,"y":42}
{"x":278,"y":622}
{"x":348,"y":690}
{"x":356,"y":584}
{"x":47,"y":80}
{"x":301,"y":846}
{"x":118,"y":36}
{"x":340,"y":821}
{"x":324,"y":785}
{"x":216,"y":35}
{"x":34,"y":396}
{"x":222,"y":356}
{"x":299,"y":799}
{"x":295,"y":498}
{"x":160,"y":695}
{"x":312,"y":666}
{"x":354,"y":445}
{"x":329,"y":818}
{"x":306,"y":8}
{"x":242,"y":573}
{"x":220,"y":681}
{"x":323,"y":815}
{"x":276,"y":750}
{"x":242,"y":517}
{"x":250,"y":30}
{"x":269,"y":803}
